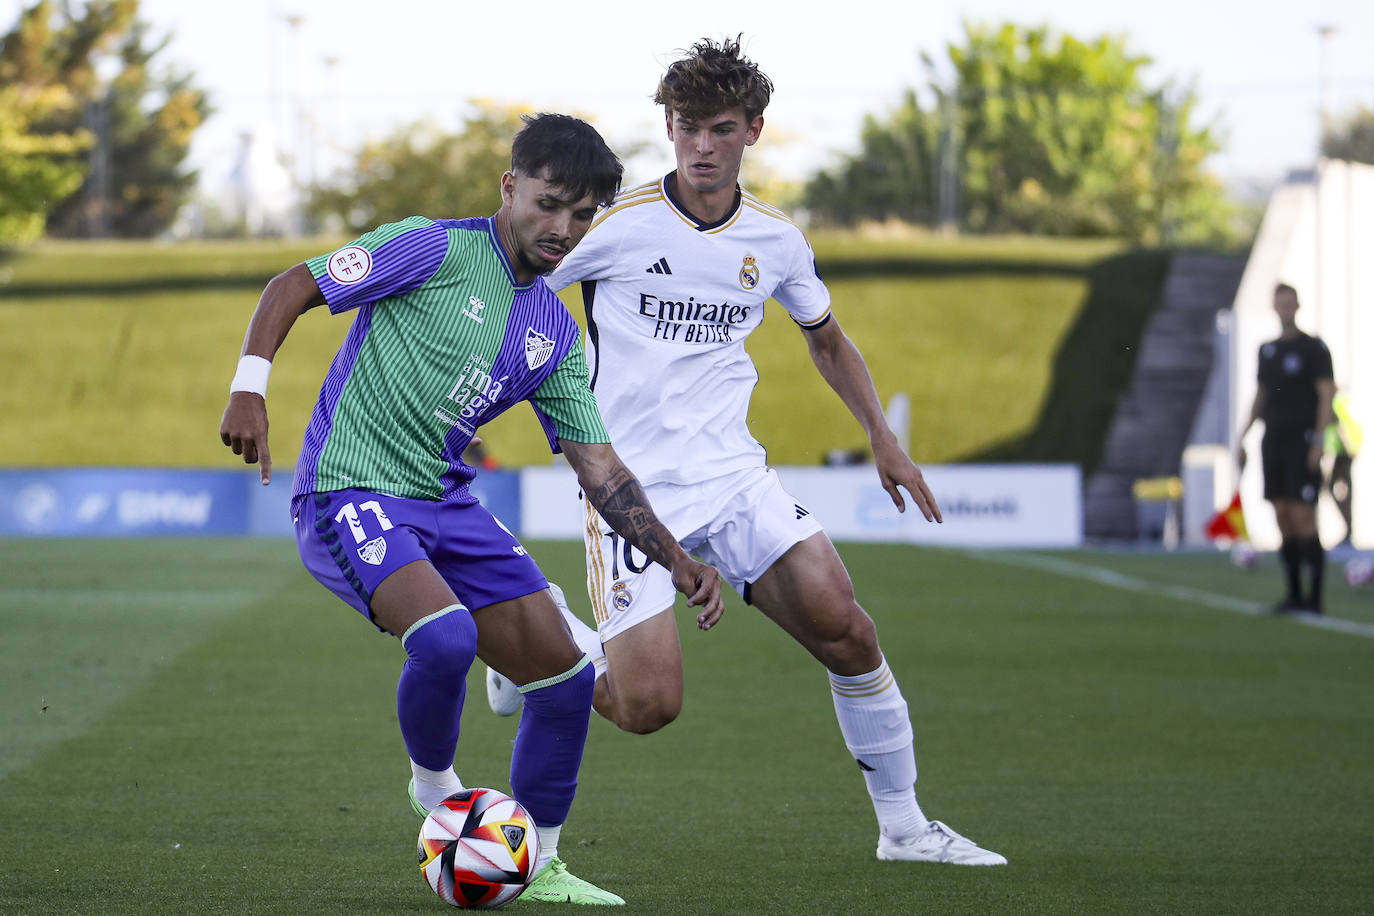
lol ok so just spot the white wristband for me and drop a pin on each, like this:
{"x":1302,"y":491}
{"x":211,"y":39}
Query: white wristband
{"x":252,"y":375}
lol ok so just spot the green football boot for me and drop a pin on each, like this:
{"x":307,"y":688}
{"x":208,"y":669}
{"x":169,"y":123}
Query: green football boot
{"x":554,"y":884}
{"x":415,"y":802}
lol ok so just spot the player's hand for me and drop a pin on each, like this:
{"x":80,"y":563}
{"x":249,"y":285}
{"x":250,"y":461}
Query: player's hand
{"x":701,"y":584}
{"x":244,"y":429}
{"x":895,"y":471}
{"x":1314,"y":456}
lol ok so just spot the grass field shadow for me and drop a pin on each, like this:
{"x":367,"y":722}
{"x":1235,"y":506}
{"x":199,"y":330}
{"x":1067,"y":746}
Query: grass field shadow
{"x":1093,"y":365}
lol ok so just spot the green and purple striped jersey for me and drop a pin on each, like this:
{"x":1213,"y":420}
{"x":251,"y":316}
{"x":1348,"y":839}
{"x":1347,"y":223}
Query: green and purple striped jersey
{"x":443,"y":341}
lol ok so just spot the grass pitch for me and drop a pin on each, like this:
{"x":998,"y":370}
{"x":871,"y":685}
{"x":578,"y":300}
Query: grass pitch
{"x":195,"y":726}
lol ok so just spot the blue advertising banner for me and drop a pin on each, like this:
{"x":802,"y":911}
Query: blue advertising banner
{"x":108,"y":502}
{"x":151,"y":502}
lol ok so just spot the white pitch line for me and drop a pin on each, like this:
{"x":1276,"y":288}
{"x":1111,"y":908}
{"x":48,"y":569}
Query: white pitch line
{"x":1114,"y":579}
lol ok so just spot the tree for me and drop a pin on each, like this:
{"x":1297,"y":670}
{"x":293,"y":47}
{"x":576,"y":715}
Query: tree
{"x":36,"y":169}
{"x":422,"y":169}
{"x":1046,"y":134}
{"x":894,"y":174}
{"x":1351,"y":138}
{"x":139,"y":124}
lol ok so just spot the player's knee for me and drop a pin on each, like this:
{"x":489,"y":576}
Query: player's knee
{"x":862,"y":636}
{"x":646,"y":714}
{"x":850,"y":642}
{"x":443,"y":645}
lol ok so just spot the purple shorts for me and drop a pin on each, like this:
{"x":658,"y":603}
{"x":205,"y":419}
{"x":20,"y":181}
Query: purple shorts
{"x":350,"y":540}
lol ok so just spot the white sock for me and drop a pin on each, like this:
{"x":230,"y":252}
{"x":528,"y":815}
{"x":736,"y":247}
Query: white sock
{"x":548,"y":845}
{"x":433,"y":786}
{"x":877,"y":730}
{"x":586,"y":638}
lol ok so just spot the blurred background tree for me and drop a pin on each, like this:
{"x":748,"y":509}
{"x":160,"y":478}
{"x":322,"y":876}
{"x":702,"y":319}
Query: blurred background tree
{"x":95,"y":61}
{"x":422,"y":169}
{"x":1351,"y":137}
{"x":1040,"y":133}
{"x":38,"y":166}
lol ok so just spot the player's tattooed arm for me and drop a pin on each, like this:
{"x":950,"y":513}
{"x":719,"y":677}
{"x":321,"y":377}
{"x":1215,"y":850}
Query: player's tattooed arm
{"x":621,"y":502}
{"x":615,"y":493}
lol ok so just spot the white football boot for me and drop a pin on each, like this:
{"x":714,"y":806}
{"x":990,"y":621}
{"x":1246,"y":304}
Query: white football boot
{"x":504,"y":698}
{"x":937,"y":844}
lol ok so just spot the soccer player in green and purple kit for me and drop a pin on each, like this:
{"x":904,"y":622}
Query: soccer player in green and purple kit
{"x":453,"y":326}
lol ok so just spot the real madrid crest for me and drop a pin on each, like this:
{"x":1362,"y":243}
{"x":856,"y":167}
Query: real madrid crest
{"x":621,"y":596}
{"x":749,"y":273}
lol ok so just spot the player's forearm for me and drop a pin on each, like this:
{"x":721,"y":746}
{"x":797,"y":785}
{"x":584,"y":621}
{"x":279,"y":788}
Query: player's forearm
{"x":616,"y":494}
{"x":620,"y":500}
{"x":845,"y":371}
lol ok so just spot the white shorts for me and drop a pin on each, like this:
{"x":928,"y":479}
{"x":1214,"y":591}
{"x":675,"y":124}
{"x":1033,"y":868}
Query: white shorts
{"x":740,"y":523}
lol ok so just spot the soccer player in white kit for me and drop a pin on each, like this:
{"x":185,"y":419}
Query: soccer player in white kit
{"x":674,"y":277}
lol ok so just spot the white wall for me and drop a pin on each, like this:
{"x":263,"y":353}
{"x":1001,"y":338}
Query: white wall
{"x":1325,"y":249}
{"x":1019,"y":506}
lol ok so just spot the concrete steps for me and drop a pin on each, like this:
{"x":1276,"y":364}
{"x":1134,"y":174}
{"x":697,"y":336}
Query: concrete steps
{"x":1155,"y":415}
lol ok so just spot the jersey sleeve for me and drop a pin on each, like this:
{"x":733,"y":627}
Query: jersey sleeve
{"x":802,"y":292}
{"x":592,"y":259}
{"x":565,"y":404}
{"x":390,"y":260}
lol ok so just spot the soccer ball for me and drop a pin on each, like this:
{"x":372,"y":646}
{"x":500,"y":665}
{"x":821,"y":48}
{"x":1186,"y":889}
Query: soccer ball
{"x":1244,"y":555}
{"x":478,"y":848}
{"x":1359,"y":572}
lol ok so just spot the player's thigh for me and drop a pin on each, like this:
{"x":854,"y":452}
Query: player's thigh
{"x":410,"y":594}
{"x":632,"y":602}
{"x":525,"y":638}
{"x":808,"y":593}
{"x":644,"y":663}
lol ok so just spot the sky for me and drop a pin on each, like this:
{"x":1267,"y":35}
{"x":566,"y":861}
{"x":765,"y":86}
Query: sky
{"x":324,"y":76}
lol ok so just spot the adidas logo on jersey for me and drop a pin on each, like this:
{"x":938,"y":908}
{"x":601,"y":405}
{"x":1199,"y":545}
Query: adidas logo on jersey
{"x":659,"y":267}
{"x":801,"y":512}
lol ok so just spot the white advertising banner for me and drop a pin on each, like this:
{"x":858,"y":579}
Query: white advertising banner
{"x":549,"y":507}
{"x":993,"y":505}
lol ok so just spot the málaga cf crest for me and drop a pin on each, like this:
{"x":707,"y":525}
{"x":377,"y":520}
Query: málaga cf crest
{"x":373,"y":552}
{"x":538,"y":348}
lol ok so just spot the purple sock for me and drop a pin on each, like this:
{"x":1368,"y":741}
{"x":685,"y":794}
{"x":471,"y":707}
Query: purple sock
{"x":429,"y":697}
{"x":549,"y":743}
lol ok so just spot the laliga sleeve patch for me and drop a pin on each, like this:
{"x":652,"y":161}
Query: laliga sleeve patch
{"x":350,"y":264}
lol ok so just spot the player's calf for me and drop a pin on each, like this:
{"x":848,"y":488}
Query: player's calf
{"x":549,"y":742}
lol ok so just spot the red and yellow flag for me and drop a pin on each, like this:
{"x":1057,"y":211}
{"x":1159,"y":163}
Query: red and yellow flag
{"x":1229,"y":523}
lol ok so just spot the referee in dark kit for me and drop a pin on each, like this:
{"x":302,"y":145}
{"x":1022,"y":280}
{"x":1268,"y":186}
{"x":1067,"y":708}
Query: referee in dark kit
{"x":1294,"y":397}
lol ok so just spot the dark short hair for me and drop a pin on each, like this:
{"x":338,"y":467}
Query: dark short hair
{"x":569,"y":153}
{"x":1285,"y":288}
{"x":711,"y":78}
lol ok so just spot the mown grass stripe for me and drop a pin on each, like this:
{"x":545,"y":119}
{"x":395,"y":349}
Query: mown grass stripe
{"x":1182,"y":593}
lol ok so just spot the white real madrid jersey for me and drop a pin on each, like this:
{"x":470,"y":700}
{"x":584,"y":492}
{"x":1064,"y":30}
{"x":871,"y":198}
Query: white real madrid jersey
{"x":669,"y":303}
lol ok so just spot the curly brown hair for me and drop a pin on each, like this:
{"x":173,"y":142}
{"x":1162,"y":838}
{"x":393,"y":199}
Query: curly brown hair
{"x":711,"y":78}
